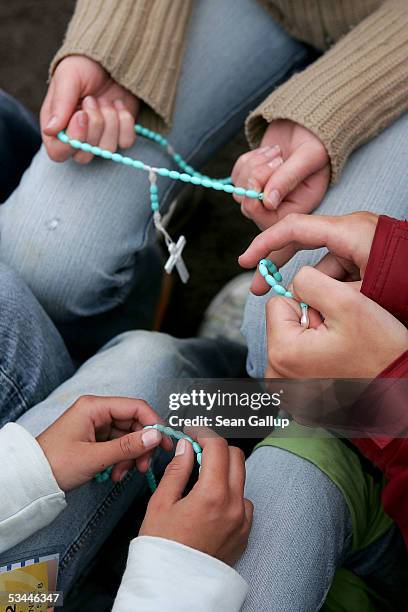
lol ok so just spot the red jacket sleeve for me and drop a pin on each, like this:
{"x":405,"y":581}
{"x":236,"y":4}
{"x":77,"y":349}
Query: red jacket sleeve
{"x":391,"y":455}
{"x":386,"y":276}
{"x":386,"y":282}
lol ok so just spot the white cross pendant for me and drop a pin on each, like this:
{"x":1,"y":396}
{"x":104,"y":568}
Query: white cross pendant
{"x":176,"y":259}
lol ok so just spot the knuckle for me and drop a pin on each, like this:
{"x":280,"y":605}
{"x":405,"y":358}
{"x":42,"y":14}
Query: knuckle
{"x":173,"y":469}
{"x":96,"y":120}
{"x":127,"y":445}
{"x":238,"y":452}
{"x":236,"y":515}
{"x":303,"y":275}
{"x":108,"y":111}
{"x":141,"y":403}
{"x":292,"y":218}
{"x":216,"y":498}
{"x":219,"y":444}
{"x":85,"y":399}
{"x":347,"y":299}
{"x":247,"y":157}
{"x":292,"y":181}
{"x":157,"y":504}
{"x":258,"y":174}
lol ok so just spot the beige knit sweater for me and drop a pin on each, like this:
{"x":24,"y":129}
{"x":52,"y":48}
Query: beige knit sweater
{"x":355,"y":90}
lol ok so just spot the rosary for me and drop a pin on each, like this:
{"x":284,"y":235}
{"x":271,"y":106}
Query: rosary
{"x":150,"y":477}
{"x":188,"y":175}
{"x":266,"y":267}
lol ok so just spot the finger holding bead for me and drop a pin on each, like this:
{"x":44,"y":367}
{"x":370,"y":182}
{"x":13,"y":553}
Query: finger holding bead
{"x":95,"y":128}
{"x":253,"y":166}
{"x":176,"y":475}
{"x":110,"y":137}
{"x":262,"y":172}
{"x":214,"y":471}
{"x":77,"y":129}
{"x":127,"y":134}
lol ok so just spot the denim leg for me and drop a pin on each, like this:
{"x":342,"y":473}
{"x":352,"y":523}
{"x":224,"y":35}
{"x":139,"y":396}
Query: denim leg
{"x":301,"y":533}
{"x":74,"y":233}
{"x":132,"y":366}
{"x":33,"y":358}
{"x":375,"y":179}
{"x":19,"y":141}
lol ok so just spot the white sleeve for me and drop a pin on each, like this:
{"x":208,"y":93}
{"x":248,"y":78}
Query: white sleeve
{"x":30,"y":496}
{"x":165,"y":575}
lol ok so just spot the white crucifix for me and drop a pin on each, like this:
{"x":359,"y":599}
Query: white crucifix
{"x":176,"y":258}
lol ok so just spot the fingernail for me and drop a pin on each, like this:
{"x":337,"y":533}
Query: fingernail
{"x":274,"y":198}
{"x":119,"y":105}
{"x":123,"y":474}
{"x":275,"y":163}
{"x":82,"y":119}
{"x":52,"y":122}
{"x":151,"y":437}
{"x":263,"y":149}
{"x":181,"y":447}
{"x":90,"y":103}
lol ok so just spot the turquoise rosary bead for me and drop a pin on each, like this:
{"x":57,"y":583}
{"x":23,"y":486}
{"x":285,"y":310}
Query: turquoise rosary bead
{"x":166,"y":431}
{"x":189,"y":175}
{"x":273,"y":277}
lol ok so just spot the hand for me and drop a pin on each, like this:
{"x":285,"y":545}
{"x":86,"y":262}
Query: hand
{"x":292,"y":169}
{"x":97,"y":432}
{"x":83,"y":98}
{"x":214,"y":517}
{"x":348,"y":239}
{"x":356,"y":339}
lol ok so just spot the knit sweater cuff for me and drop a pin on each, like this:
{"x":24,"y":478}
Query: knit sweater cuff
{"x":139,"y":43}
{"x":352,"y":92}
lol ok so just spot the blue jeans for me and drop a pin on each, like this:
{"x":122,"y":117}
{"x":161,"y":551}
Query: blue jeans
{"x":76,"y":234}
{"x":19,"y":141}
{"x":38,"y":383}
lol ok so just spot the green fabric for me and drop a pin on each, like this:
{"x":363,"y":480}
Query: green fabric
{"x":349,"y":593}
{"x":343,"y":467}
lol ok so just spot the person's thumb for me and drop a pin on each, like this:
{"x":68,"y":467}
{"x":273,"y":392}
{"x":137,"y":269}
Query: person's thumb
{"x":129,"y":446}
{"x":325,"y":294}
{"x":63,"y":97}
{"x":177,"y":474}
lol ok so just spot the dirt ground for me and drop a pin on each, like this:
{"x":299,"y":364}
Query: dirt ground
{"x":30,"y":33}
